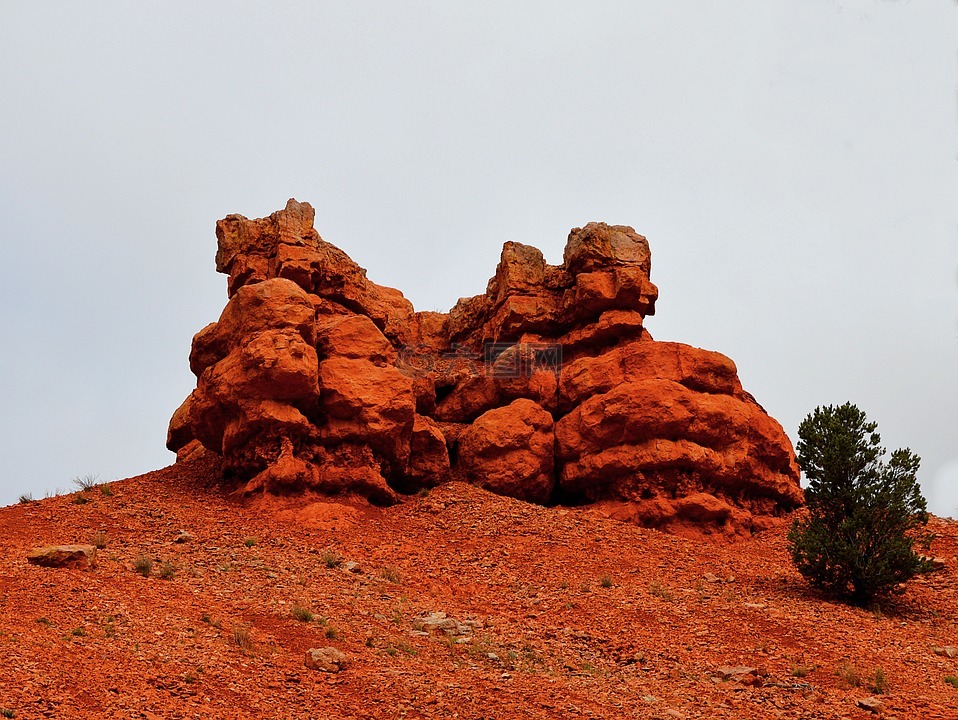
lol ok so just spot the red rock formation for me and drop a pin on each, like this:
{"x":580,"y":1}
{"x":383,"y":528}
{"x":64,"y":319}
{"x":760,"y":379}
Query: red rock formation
{"x":546,"y":387}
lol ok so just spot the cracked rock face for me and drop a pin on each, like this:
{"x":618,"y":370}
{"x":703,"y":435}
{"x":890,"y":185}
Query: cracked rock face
{"x":546,"y":388}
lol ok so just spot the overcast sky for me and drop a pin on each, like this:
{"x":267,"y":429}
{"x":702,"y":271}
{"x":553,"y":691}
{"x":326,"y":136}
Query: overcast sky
{"x":794,"y":165}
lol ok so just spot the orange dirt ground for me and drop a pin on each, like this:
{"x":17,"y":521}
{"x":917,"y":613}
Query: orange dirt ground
{"x":576,"y":615}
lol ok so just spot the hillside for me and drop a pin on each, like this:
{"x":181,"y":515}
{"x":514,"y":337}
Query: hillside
{"x":561,"y":613}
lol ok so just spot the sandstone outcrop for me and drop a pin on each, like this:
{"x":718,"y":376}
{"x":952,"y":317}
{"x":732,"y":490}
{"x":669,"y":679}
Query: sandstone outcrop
{"x":78,"y":557}
{"x":546,"y":387}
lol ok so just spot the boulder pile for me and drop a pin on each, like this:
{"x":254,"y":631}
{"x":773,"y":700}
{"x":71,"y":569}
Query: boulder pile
{"x":546,"y":387}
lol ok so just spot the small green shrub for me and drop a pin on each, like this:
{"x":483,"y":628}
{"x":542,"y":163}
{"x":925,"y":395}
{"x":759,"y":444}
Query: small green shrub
{"x":8,"y":713}
{"x":243,"y":636}
{"x":208,"y":619}
{"x":303,"y":614}
{"x":331,"y":632}
{"x":86,"y":482}
{"x":106,"y":490}
{"x":865,"y":515}
{"x":877,"y":682}
{"x":80,"y":499}
{"x":331,"y":559}
{"x":952,"y":680}
{"x":605,"y":581}
{"x":144,"y":565}
{"x":250,"y":541}
{"x":78,"y":632}
{"x":849,"y":674}
{"x":390,"y":574}
{"x":660,"y":591}
{"x":167,"y":570}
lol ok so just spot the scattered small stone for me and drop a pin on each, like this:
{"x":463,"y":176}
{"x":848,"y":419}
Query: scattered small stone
{"x":353,"y":567}
{"x":183,"y":537}
{"x":755,"y":606}
{"x":670,"y":713}
{"x":436,"y":623}
{"x":709,"y":577}
{"x":739,"y":674}
{"x":872,"y":705}
{"x":947,"y":651}
{"x":327,"y":659}
{"x":80,"y":557}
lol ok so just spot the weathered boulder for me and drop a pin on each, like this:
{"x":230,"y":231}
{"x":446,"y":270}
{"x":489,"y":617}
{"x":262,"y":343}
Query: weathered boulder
{"x":509,"y":450}
{"x":547,"y":387}
{"x":78,"y":557}
{"x":325,"y":659}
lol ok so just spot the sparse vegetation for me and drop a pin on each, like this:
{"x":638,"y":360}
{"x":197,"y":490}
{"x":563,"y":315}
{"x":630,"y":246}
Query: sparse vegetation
{"x":78,"y":632}
{"x":605,"y":581}
{"x":403,"y":647}
{"x":800,"y":670}
{"x":26,"y":499}
{"x":167,"y":570}
{"x":952,"y":680}
{"x":660,"y":591}
{"x":331,"y":632}
{"x":98,"y":540}
{"x":250,"y":541}
{"x":80,"y":499}
{"x":243,"y":636}
{"x":106,"y":490}
{"x":303,"y":614}
{"x":389,"y":573}
{"x":865,"y":515}
{"x":331,"y":559}
{"x":8,"y":713}
{"x":209,"y":620}
{"x":877,"y":682}
{"x":86,"y":482}
{"x":849,"y":674}
{"x":144,"y":565}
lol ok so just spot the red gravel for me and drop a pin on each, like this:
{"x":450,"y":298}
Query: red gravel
{"x":580,"y":616}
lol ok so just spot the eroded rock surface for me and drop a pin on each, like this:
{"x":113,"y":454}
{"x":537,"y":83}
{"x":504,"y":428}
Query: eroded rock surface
{"x":546,"y":388}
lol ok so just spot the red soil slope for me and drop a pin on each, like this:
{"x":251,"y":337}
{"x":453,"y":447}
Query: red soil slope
{"x":576,"y":615}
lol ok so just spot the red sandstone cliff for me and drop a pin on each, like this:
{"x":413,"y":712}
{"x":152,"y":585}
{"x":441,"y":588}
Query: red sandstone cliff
{"x":544,"y":388}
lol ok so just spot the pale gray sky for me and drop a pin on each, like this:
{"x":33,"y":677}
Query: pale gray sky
{"x":793,"y":164}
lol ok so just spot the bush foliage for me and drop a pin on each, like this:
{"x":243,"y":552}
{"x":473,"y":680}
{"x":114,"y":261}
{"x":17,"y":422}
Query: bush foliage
{"x":865,"y":514}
